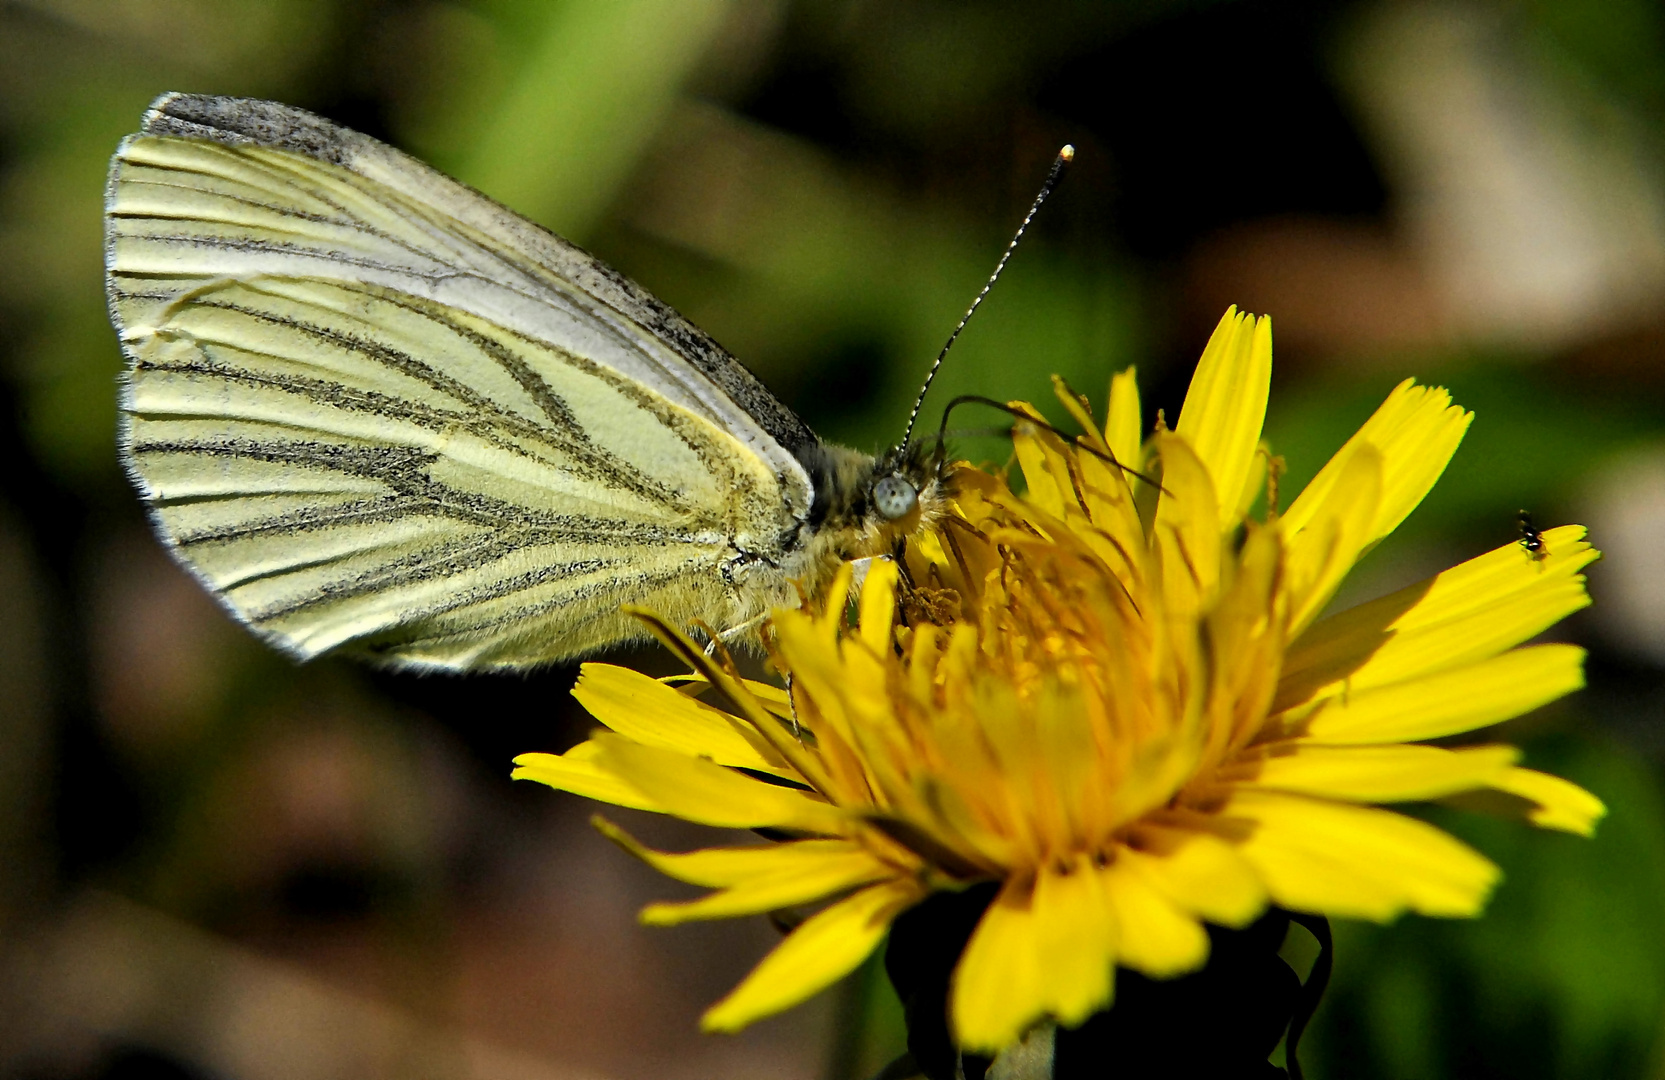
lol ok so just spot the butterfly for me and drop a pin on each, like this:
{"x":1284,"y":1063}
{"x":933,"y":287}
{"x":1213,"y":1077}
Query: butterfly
{"x":374,"y":411}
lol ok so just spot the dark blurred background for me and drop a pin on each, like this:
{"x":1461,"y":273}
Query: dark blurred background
{"x":216,"y":864}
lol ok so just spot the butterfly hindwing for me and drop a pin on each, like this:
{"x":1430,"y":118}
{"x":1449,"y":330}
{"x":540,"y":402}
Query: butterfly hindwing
{"x":370,"y":407}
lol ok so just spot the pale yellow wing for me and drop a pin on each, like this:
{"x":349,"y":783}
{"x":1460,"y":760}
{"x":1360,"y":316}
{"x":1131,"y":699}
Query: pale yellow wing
{"x":386,"y":415}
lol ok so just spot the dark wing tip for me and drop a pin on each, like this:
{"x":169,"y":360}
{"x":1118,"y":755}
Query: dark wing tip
{"x":249,"y":121}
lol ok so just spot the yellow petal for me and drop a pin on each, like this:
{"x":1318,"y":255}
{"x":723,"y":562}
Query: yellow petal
{"x":1048,"y":950}
{"x":1124,"y":422}
{"x":720,"y":867}
{"x":1043,"y":489}
{"x":1471,"y":612}
{"x":1153,"y":935}
{"x":1187,"y":528}
{"x":784,"y":743}
{"x":1355,"y":861}
{"x":1416,"y":430}
{"x":828,"y":946}
{"x":786,"y":886}
{"x":1226,"y":406}
{"x":1369,"y":773}
{"x":578,"y":773}
{"x":838,"y":597}
{"x":1117,"y":537}
{"x":1245,"y":643}
{"x":998,"y":986}
{"x":1200,"y":873}
{"x":655,"y":714}
{"x":1557,"y":803}
{"x":1075,"y":937}
{"x":1447,"y":703}
{"x":774,"y":697}
{"x":930,"y":546}
{"x":968,"y":843}
{"x":695,"y":789}
{"x":1080,"y":411}
{"x":1319,"y":556}
{"x":821,"y":674}
{"x":878,"y":604}
{"x":771,"y":697}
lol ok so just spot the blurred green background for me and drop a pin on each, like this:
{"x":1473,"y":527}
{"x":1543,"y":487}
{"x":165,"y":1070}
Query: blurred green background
{"x":217,"y":864}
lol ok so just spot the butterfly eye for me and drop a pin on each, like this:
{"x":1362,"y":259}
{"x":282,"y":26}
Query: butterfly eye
{"x":894,"y":497}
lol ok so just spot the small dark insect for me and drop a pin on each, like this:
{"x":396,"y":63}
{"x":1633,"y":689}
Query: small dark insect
{"x":1530,"y":538}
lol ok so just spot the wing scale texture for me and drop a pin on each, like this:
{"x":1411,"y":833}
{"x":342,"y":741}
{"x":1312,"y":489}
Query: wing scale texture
{"x":370,"y":407}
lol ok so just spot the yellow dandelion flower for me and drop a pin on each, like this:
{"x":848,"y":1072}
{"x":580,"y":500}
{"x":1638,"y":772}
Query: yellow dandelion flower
{"x":1120,"y":703}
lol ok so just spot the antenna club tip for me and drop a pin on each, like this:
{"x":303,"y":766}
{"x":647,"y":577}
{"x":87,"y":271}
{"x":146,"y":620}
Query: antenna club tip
{"x":1067,"y":154}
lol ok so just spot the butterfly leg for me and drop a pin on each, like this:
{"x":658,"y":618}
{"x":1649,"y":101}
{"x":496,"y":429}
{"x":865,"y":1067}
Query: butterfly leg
{"x":734,"y":633}
{"x":725,"y":636}
{"x":791,"y":699}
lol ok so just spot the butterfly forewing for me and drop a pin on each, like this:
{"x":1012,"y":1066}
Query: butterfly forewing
{"x":366,"y":408}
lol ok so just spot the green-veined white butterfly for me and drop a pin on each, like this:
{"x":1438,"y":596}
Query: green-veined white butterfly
{"x":372,"y":409}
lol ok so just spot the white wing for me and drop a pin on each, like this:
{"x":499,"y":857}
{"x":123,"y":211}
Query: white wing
{"x":370,"y":406}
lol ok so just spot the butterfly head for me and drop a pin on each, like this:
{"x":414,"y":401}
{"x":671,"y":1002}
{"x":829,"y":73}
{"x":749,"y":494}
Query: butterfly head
{"x":868,"y":506}
{"x":909,"y":487}
{"x":894,"y":496}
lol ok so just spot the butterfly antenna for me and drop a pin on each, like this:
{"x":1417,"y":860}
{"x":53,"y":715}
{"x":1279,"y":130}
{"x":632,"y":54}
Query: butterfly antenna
{"x":1065,"y":156}
{"x":1025,"y":418}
